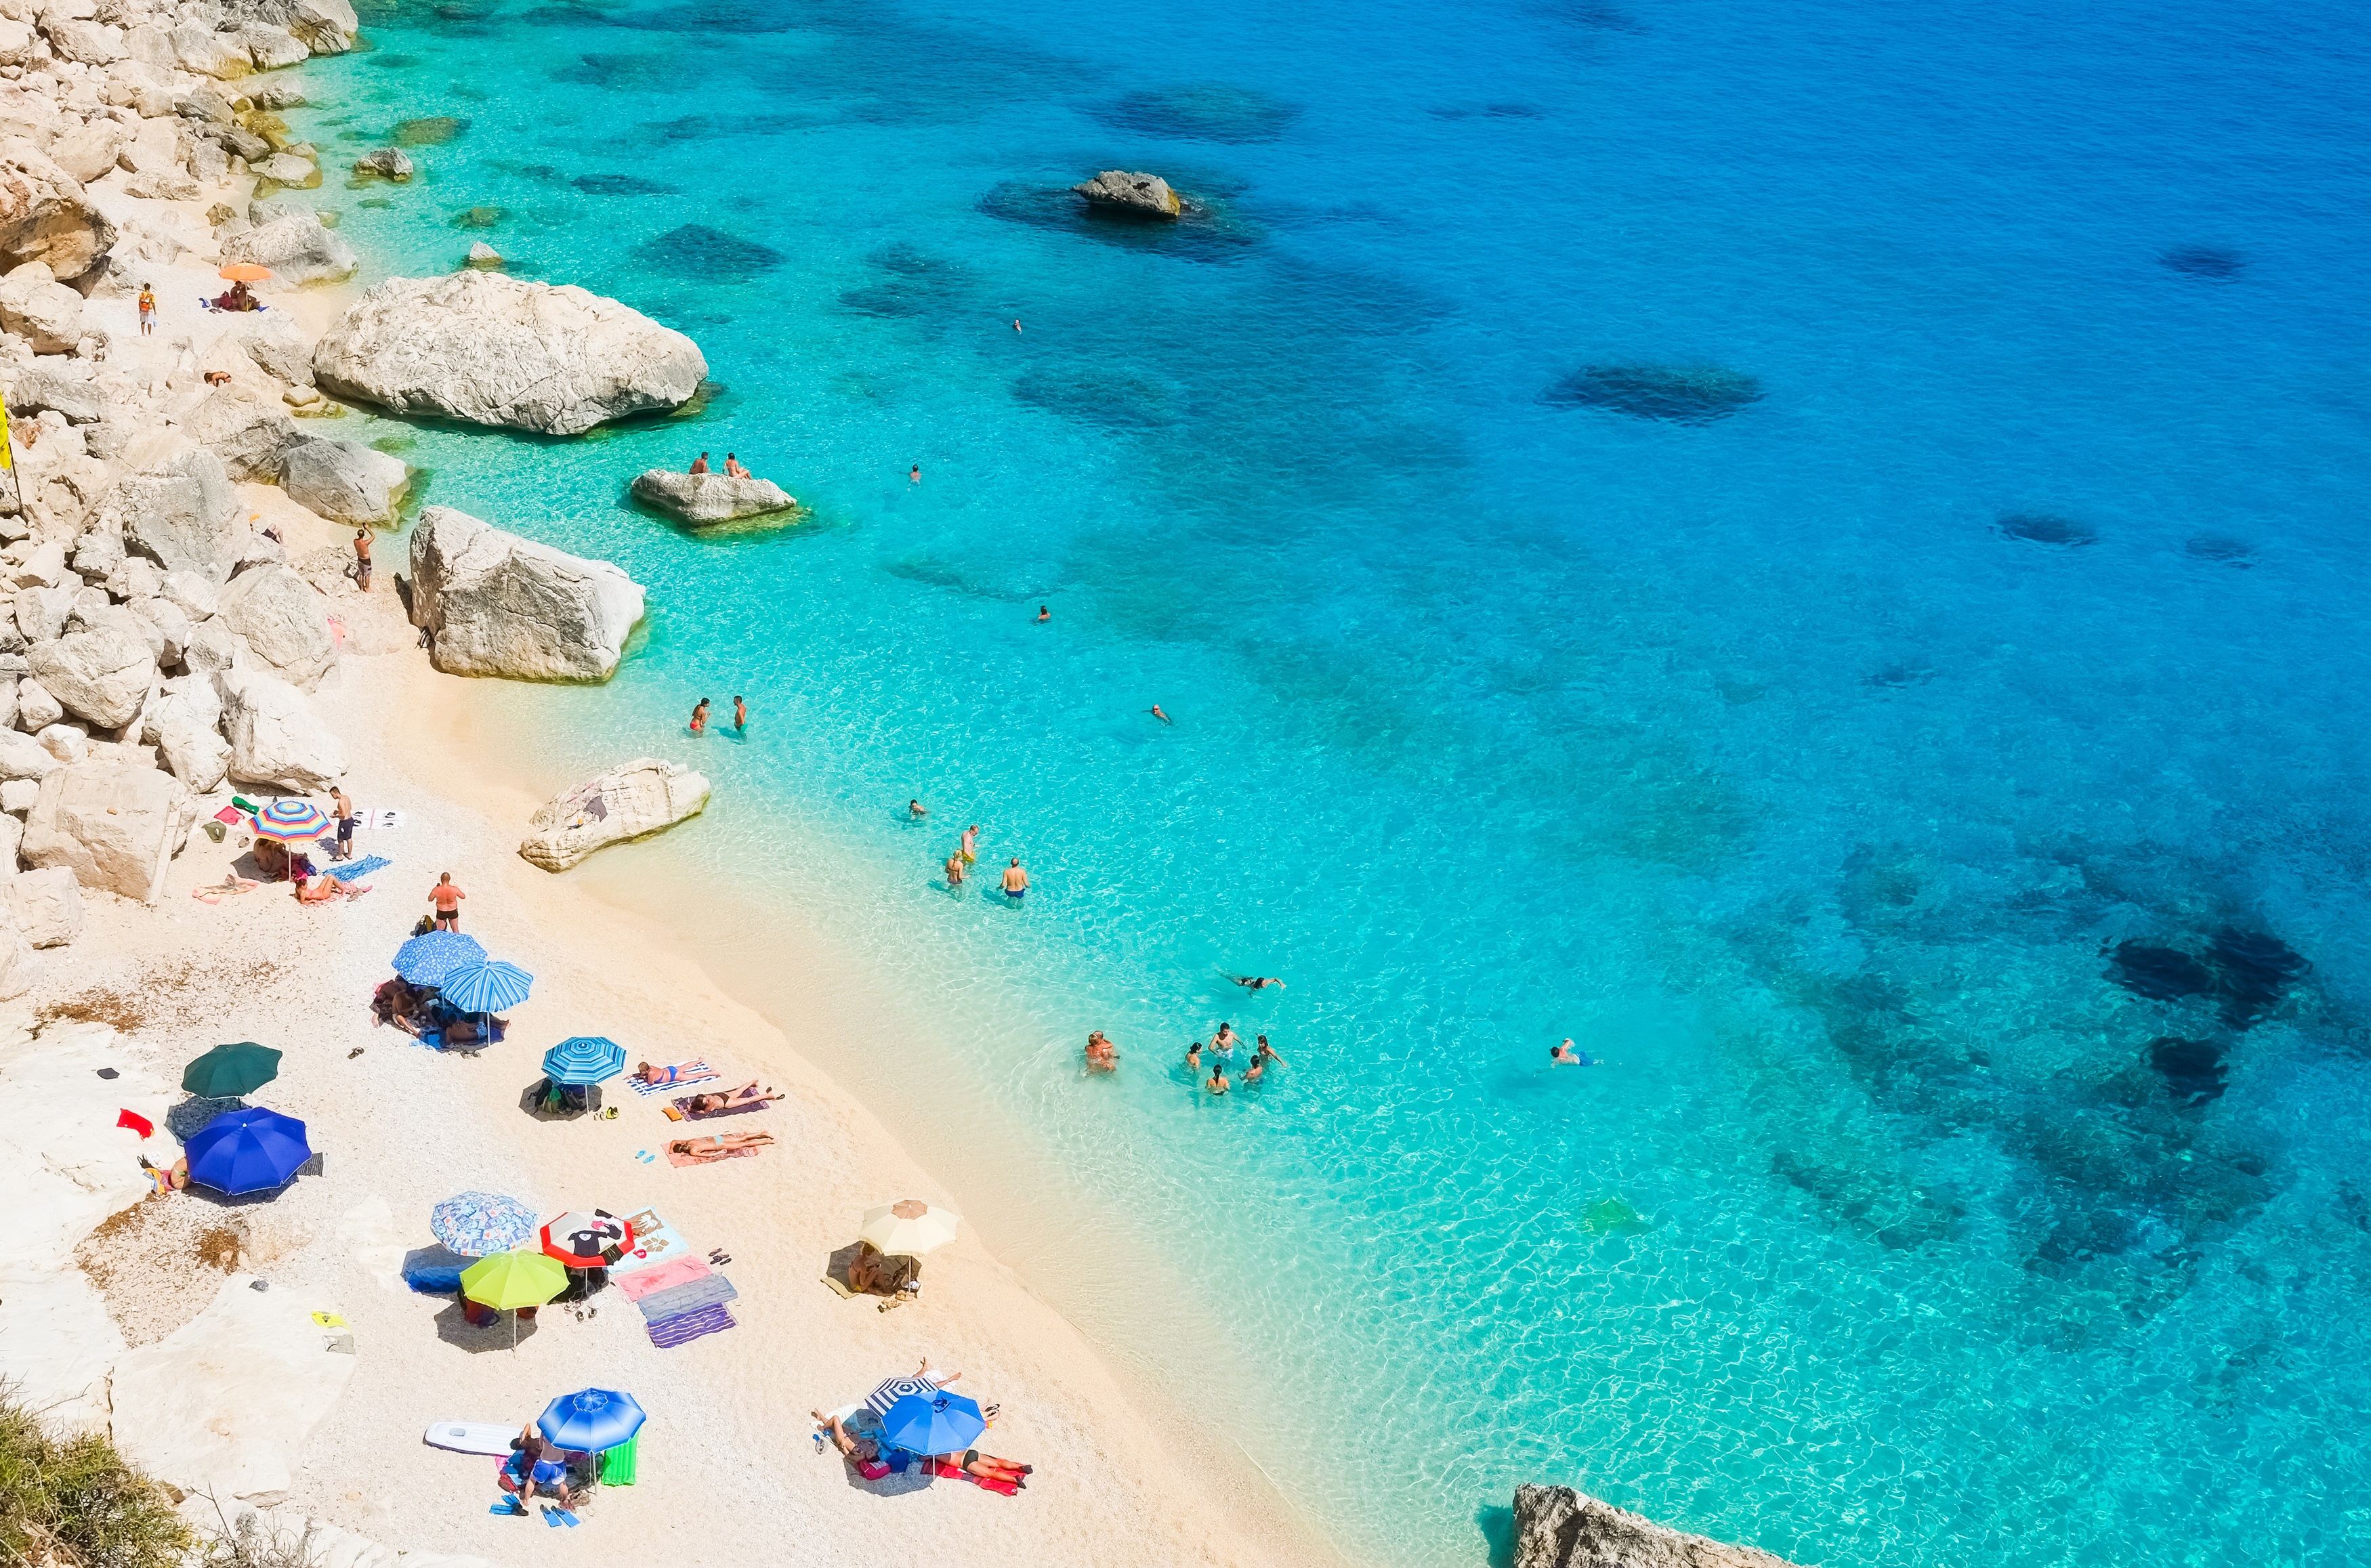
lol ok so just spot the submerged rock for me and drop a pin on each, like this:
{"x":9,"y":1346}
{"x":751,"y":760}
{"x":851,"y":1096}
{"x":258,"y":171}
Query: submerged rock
{"x":2253,"y":970}
{"x":697,"y":251}
{"x":386,"y":163}
{"x":2041,"y":528}
{"x":2160,"y":974}
{"x":629,"y":801}
{"x":497,"y":605}
{"x":500,"y":351}
{"x":2194,"y":1070}
{"x":710,"y":498}
{"x":1207,"y":112}
{"x":2208,"y":262}
{"x":1145,"y":194}
{"x":1557,"y":1526}
{"x":1678,"y":393}
{"x":431,"y":130}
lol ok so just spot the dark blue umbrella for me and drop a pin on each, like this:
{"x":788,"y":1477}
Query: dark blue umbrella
{"x":593,"y":1419}
{"x":427,"y":959}
{"x":252,"y":1150}
{"x":941,"y":1423}
{"x":587,"y":1058}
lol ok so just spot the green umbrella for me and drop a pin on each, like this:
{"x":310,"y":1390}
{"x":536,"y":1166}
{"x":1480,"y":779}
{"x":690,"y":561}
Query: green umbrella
{"x":228,"y":1071}
{"x":508,"y":1281}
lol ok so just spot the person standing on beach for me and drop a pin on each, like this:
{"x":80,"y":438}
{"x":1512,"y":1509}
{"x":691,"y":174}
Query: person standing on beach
{"x":699,"y":463}
{"x":956,"y":872}
{"x":740,"y":716}
{"x":447,"y":900}
{"x":1016,"y":880}
{"x":970,"y":850}
{"x":700,"y":717}
{"x":342,"y":804}
{"x":147,"y":310}
{"x":363,"y":560}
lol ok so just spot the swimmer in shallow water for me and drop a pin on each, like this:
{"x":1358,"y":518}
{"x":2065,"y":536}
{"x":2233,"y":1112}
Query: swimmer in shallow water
{"x":1253,"y":983}
{"x":1564,"y":1056}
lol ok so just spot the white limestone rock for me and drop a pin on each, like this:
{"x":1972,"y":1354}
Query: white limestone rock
{"x":326,"y":27}
{"x":87,"y":42}
{"x":285,"y":622}
{"x":16,"y":796}
{"x":384,"y":162}
{"x":37,"y":308}
{"x":90,"y":151}
{"x":1145,"y":195}
{"x":1557,"y":1526}
{"x":245,"y":425}
{"x":36,"y":708}
{"x":275,"y":736}
{"x":495,"y":349}
{"x":103,"y":674}
{"x":629,"y":801}
{"x":498,"y":605}
{"x":296,"y":248}
{"x":185,"y":726}
{"x":46,"y":905}
{"x":276,"y":345}
{"x":176,"y":508}
{"x":41,"y":612}
{"x":21,"y":756}
{"x":118,"y":828}
{"x":344,"y":481}
{"x":46,"y":216}
{"x":69,"y":743}
{"x":710,"y":498}
{"x":81,"y":400}
{"x":272,"y":47}
{"x":208,"y":52}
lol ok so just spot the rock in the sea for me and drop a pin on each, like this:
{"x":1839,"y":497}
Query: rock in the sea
{"x":1681,"y":394}
{"x":344,"y":480}
{"x":118,"y":828}
{"x":47,"y":903}
{"x":275,"y":736}
{"x":297,"y":249}
{"x":289,"y":169}
{"x":640,"y":798}
{"x":103,"y":674}
{"x":45,"y":216}
{"x":37,"y":308}
{"x":495,"y":349}
{"x":484,"y":255}
{"x":1147,"y":194}
{"x":285,"y":622}
{"x":431,"y":130}
{"x":710,"y":498}
{"x":497,"y":605}
{"x":224,"y":1403}
{"x":386,"y":163}
{"x":185,"y":726}
{"x":1557,"y":1526}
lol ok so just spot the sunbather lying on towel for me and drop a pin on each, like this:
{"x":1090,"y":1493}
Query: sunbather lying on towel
{"x":708,"y":1104}
{"x":987,"y":1467}
{"x":674,"y":1072}
{"x":232,"y":882}
{"x":853,"y":1446}
{"x":717,"y":1146}
{"x":327,"y":889}
{"x":396,"y":1003}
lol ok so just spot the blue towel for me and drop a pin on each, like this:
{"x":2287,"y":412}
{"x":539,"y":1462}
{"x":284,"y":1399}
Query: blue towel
{"x":364,"y":867}
{"x":690,"y":1327}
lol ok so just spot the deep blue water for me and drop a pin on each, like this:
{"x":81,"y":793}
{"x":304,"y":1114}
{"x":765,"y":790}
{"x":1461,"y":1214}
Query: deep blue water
{"x":1768,"y":539}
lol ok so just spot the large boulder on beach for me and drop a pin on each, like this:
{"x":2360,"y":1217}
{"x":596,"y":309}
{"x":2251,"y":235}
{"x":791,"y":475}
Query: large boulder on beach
{"x":1145,"y":194}
{"x":118,"y":828}
{"x":496,"y":604}
{"x":46,"y":905}
{"x":296,"y":248}
{"x":46,"y":216}
{"x":1557,"y":1526}
{"x":226,"y":1404}
{"x":185,"y":726}
{"x":81,"y":400}
{"x":245,"y":425}
{"x":630,"y":801}
{"x":710,"y":498}
{"x":495,"y":349}
{"x":344,"y":480}
{"x":176,"y":507}
{"x":275,"y":736}
{"x":39,"y":309}
{"x":283,"y":621}
{"x":103,"y":674}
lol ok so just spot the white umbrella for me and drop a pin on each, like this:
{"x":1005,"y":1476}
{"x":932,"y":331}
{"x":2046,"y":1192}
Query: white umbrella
{"x":909,"y":1228}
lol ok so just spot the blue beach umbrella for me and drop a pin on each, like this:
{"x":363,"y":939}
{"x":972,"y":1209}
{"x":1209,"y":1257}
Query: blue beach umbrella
{"x":587,"y":1058}
{"x":592,"y":1419}
{"x":479,"y":1225}
{"x":426,"y":960}
{"x":487,"y":986}
{"x":941,"y":1423}
{"x":252,"y":1150}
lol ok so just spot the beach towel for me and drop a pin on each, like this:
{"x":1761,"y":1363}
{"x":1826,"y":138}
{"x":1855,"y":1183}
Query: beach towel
{"x":956,"y":1472}
{"x":620,"y":1464}
{"x":680,"y":1300}
{"x":690,"y":1326}
{"x":681,"y":1110}
{"x":136,"y":1121}
{"x":705,"y":1156}
{"x":660,"y":1277}
{"x":655,"y":1241}
{"x":230,"y":816}
{"x":361,"y":868}
{"x":693,"y":1071}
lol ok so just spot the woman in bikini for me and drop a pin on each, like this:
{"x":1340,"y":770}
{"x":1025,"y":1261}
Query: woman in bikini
{"x":1102,"y":1055}
{"x":987,"y":1467}
{"x":718,"y":1146}
{"x":674,"y":1072}
{"x":709,"y":1104}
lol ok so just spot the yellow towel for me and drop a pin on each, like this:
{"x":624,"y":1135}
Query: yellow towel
{"x":329,"y":1320}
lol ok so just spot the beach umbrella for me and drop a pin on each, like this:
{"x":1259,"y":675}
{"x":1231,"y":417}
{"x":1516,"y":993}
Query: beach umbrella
{"x":508,"y":1281}
{"x":585,"y":1239}
{"x":244,"y":273}
{"x":939,"y":1423}
{"x":291,"y":821}
{"x":487,"y":985}
{"x":253,"y":1151}
{"x":895,"y":1388}
{"x":228,"y":1071}
{"x":587,"y":1058}
{"x":427,"y":959}
{"x":479,"y":1225}
{"x":907,"y":1228}
{"x":591,"y":1419}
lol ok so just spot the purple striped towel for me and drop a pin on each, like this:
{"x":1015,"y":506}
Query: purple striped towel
{"x":690,"y":1327}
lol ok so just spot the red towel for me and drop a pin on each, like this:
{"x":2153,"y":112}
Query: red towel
{"x":136,"y":1121}
{"x":956,"y":1472}
{"x":231,"y":815}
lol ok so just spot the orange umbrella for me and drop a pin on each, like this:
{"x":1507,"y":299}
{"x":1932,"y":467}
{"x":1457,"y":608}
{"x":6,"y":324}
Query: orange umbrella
{"x":244,"y":273}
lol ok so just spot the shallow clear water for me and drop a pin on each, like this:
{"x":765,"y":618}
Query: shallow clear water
{"x":1796,"y":742}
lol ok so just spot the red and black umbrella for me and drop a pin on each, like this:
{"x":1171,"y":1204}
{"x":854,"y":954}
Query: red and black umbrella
{"x":587,"y":1240}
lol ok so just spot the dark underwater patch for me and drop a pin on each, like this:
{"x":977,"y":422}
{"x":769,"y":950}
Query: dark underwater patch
{"x":1676,"y":394}
{"x":2192,"y":1069}
{"x":2160,"y":974}
{"x":431,"y":131}
{"x":914,"y":283}
{"x":683,"y":128}
{"x":2255,"y":970}
{"x":394,"y":61}
{"x":1202,"y":112}
{"x":726,"y":18}
{"x":1594,"y":14}
{"x":1105,"y":396}
{"x":2207,"y":262}
{"x":1490,"y":111}
{"x":1895,"y":676}
{"x":2044,"y":528}
{"x":2221,"y":551}
{"x":621,"y":185}
{"x":658,"y":71}
{"x":1201,"y":234}
{"x":696,"y":250}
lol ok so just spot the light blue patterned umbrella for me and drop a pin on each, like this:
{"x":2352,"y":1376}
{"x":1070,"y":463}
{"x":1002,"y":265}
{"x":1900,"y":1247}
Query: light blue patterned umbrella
{"x":480,"y":1225}
{"x":587,"y":1058}
{"x":485,"y":987}
{"x":427,"y":959}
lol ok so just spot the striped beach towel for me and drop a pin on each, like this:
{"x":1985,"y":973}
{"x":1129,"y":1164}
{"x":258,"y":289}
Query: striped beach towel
{"x":350,"y":870}
{"x":693,"y":1071}
{"x":680,"y":1300}
{"x":690,"y":1326}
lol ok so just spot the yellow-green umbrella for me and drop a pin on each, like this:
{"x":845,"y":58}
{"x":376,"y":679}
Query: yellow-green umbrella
{"x":508,"y":1281}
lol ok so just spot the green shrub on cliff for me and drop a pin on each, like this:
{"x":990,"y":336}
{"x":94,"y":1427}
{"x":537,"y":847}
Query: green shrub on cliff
{"x":71,"y":1500}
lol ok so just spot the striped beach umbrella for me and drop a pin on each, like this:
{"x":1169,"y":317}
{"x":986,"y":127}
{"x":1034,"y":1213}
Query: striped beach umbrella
{"x":587,"y":1239}
{"x":479,"y":1225}
{"x":895,"y":1388}
{"x":586,"y":1059}
{"x":427,"y":959}
{"x":291,"y":821}
{"x":486,"y":986}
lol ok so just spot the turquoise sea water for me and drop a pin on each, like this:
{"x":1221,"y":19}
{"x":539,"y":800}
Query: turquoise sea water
{"x":1800,"y":728}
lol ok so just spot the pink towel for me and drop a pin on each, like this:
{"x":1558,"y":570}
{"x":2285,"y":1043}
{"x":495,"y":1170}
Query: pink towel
{"x":660,"y":1277}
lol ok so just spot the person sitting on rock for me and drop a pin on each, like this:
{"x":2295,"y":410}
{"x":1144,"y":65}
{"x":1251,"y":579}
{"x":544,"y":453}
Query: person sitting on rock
{"x":732,"y":468}
{"x":699,"y":463}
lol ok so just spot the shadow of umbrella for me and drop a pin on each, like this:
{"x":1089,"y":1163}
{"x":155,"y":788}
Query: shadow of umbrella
{"x":196,"y":1112}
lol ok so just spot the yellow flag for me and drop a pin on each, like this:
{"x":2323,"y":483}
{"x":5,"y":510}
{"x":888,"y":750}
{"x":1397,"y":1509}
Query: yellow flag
{"x":7,"y":441}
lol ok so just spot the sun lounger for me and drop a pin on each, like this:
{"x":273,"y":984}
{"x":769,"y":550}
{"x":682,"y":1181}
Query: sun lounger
{"x":693,"y":1071}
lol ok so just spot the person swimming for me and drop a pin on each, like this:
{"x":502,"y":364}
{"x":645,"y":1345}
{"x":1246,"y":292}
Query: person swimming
{"x":1253,"y":983}
{"x":1564,"y":1056}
